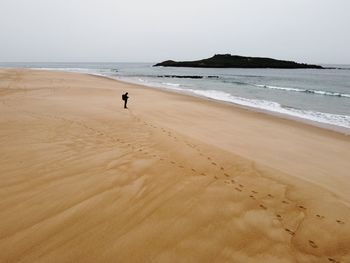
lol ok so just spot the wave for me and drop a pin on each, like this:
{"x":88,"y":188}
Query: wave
{"x":171,"y":84}
{"x":321,"y":117}
{"x":235,"y":82}
{"x":310,"y":91}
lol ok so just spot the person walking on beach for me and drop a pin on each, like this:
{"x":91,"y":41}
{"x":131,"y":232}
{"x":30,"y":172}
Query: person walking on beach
{"x":125,"y":98}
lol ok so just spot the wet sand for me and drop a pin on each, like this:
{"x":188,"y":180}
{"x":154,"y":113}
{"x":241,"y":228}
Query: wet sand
{"x":172,"y":179}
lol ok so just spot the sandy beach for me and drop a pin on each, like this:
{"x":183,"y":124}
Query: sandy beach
{"x":174,"y":178}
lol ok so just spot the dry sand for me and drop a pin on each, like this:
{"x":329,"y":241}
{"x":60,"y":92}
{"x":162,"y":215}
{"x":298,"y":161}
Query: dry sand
{"x":172,"y":179}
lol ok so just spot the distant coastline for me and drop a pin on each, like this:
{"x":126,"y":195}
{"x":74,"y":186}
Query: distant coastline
{"x":234,"y":61}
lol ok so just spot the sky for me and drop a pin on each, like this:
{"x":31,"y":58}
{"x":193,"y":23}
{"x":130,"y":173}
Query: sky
{"x":311,"y":31}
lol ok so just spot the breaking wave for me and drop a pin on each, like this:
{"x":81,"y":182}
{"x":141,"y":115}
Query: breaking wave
{"x":311,"y":91}
{"x":326,"y":118}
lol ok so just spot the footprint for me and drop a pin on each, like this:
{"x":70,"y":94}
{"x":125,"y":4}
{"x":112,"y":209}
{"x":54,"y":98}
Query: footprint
{"x":302,"y":207}
{"x":270,"y":195}
{"x":263,"y":207}
{"x":216,"y":177}
{"x":180,"y":166}
{"x":237,"y":189}
{"x":209,"y":158}
{"x":279,"y":216}
{"x":227,"y":175}
{"x":254,"y":192}
{"x":222,"y":168}
{"x":252,"y":197}
{"x":240,"y":185}
{"x":290,"y":231}
{"x":233,"y":181}
{"x":203,"y":174}
{"x":333,"y":260}
{"x":193,"y":170}
{"x":285,"y":202}
{"x":312,"y":244}
{"x":172,"y":162}
{"x":340,"y":222}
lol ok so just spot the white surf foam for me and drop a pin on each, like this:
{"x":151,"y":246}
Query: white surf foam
{"x":171,"y":84}
{"x":327,"y":118}
{"x":310,"y":91}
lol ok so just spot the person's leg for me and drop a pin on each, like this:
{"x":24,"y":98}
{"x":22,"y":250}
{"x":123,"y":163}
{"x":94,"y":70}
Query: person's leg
{"x":125,"y":101}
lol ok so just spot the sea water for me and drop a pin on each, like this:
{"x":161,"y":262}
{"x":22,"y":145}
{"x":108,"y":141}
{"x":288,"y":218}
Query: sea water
{"x":320,"y":96}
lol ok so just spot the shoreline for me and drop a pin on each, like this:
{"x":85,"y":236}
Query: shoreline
{"x":307,"y":120}
{"x":173,"y":177}
{"x":323,"y":125}
{"x":334,"y":128}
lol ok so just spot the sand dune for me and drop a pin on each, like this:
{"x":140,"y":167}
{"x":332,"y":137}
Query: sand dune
{"x":172,"y":179}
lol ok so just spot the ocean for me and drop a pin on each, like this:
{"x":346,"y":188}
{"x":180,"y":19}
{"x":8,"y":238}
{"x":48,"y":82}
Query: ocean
{"x":318,"y":96}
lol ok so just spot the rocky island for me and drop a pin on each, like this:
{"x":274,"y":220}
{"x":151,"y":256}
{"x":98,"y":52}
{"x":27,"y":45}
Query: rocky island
{"x":233,"y":61}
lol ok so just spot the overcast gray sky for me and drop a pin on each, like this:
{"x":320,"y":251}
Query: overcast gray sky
{"x":313,"y":31}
